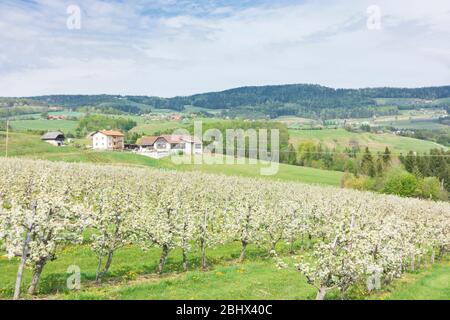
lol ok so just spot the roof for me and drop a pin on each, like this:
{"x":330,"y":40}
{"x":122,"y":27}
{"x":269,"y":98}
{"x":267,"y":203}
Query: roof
{"x":175,"y":138}
{"x":111,"y":133}
{"x":148,"y":141}
{"x":53,"y":135}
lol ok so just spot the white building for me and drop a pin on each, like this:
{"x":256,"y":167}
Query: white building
{"x":169,"y":144}
{"x":107,"y":140}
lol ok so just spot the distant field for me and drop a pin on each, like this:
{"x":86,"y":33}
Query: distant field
{"x":341,"y":138}
{"x":413,"y":102}
{"x":65,"y":126}
{"x":416,"y":125}
{"x":67,"y":113}
{"x":406,"y":119}
{"x":151,"y":127}
{"x":21,"y":144}
{"x":296,"y":122}
{"x":30,"y":146}
{"x":199,"y":109}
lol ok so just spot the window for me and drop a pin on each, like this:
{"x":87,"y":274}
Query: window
{"x":198,"y":146}
{"x":178,"y":146}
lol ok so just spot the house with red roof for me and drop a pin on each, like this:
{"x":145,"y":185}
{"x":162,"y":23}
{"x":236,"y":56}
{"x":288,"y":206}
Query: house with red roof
{"x":107,"y":140}
{"x":169,"y":144}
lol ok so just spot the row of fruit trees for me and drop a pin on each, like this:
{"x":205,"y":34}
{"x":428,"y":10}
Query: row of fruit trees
{"x":354,"y":235}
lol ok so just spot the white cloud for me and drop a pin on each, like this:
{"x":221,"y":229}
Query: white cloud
{"x":178,"y":50}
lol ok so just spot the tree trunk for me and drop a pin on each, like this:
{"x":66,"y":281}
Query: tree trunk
{"x":97,"y":273}
{"x":413,"y":260}
{"x":108,"y":263}
{"x":244,"y":246}
{"x":291,"y":249}
{"x":183,"y":248}
{"x":441,"y":252}
{"x":433,"y":255}
{"x":274,"y":245}
{"x":36,"y":276}
{"x":24,"y":255}
{"x":303,"y":241}
{"x":21,"y":267}
{"x":162,"y":260}
{"x":100,"y":274}
{"x":202,"y":242}
{"x":321,"y":293}
{"x":185,"y":262}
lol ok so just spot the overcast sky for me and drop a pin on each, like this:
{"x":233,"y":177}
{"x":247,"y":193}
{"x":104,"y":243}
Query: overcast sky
{"x":181,"y":47}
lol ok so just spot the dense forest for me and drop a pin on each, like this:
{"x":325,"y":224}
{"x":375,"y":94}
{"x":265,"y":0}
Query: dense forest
{"x":304,"y":100}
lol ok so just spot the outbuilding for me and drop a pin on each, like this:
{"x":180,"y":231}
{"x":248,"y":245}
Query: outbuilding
{"x":55,"y":138}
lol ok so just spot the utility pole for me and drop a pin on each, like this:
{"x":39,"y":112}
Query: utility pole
{"x":7,"y":137}
{"x":7,"y":132}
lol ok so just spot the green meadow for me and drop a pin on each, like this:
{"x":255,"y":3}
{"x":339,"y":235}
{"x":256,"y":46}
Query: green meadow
{"x":30,"y":146}
{"x":339,"y":139}
{"x":66,"y":126}
{"x":133,"y":276}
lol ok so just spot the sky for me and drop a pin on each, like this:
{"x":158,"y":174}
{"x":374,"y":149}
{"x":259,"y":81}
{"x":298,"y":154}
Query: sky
{"x":181,"y":47}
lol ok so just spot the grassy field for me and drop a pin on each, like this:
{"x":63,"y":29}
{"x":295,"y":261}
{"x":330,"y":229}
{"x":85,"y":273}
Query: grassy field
{"x":429,"y":284}
{"x":153,"y":127}
{"x":415,"y":125}
{"x":406,"y":119}
{"x":133,"y":276}
{"x":30,"y":146}
{"x":66,"y":126}
{"x":297,"y":122}
{"x":341,"y":138}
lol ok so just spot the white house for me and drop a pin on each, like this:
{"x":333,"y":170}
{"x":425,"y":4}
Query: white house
{"x":169,"y":144}
{"x":107,"y":140}
{"x":54,"y":138}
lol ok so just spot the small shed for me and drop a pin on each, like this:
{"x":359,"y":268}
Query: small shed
{"x":55,"y":138}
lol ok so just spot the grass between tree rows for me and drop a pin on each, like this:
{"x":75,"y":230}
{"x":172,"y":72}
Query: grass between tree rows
{"x":133,"y":276}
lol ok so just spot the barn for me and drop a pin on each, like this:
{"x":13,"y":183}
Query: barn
{"x":55,"y":138}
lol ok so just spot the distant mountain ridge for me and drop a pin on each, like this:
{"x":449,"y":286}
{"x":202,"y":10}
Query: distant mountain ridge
{"x":270,"y":100}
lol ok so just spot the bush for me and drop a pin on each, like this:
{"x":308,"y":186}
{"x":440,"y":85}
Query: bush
{"x":359,"y":183}
{"x":430,"y":188}
{"x":401,"y":183}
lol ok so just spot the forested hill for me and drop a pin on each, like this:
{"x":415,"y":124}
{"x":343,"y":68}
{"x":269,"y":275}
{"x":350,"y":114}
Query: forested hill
{"x":309,"y":95}
{"x":294,"y":99}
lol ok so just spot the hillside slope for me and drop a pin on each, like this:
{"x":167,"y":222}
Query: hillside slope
{"x":339,"y":139}
{"x":30,"y":146}
{"x":273,"y":100}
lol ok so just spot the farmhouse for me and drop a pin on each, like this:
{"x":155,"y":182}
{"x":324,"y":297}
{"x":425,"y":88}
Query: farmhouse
{"x":55,"y":138}
{"x":107,"y":140}
{"x":169,"y":144}
{"x":56,"y":117}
